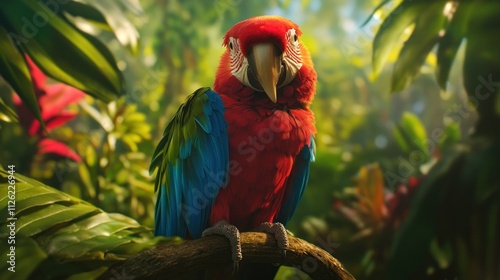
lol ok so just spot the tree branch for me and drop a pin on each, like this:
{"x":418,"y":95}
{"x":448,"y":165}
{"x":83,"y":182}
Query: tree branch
{"x":214,"y":251}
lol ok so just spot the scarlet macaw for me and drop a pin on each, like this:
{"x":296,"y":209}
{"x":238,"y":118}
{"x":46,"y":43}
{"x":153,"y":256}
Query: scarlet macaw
{"x":237,"y":157}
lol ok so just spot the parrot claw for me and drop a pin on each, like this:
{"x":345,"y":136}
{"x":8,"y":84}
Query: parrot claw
{"x":280,"y":234}
{"x":233,"y":234}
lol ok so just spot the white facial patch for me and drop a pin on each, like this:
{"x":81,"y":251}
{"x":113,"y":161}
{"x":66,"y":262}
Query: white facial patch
{"x":291,"y":61}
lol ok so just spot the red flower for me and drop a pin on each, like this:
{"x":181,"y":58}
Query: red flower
{"x":398,"y":203}
{"x":53,"y":99}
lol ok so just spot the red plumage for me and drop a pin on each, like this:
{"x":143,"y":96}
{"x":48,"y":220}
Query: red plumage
{"x":264,"y":137}
{"x":269,"y":29}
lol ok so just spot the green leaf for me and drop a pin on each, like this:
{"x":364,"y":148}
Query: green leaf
{"x":128,"y":140}
{"x":86,"y":178}
{"x":451,"y":135}
{"x":61,"y":241}
{"x":450,"y":43}
{"x":133,"y":5}
{"x":44,"y":43}
{"x":81,"y":225}
{"x":374,"y":11}
{"x":109,"y":16}
{"x":442,"y":254}
{"x":124,"y":30}
{"x":25,"y":249}
{"x":103,"y":119}
{"x":14,"y":70}
{"x":417,"y":47}
{"x":49,"y":216}
{"x":473,"y":207}
{"x":412,"y":241}
{"x":87,"y":12}
{"x":53,"y":228}
{"x":391,"y":29}
{"x":411,"y":135}
{"x":35,"y":198}
{"x":6,"y":113}
{"x":481,"y":68}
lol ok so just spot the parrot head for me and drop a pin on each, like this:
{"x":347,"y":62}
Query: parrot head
{"x":265,"y":54}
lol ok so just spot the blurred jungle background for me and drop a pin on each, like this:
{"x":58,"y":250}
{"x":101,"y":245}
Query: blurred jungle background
{"x":404,"y":184}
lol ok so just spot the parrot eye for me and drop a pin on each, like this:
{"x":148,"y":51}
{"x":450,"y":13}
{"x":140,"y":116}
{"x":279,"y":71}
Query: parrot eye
{"x":233,"y":43}
{"x":292,"y":37}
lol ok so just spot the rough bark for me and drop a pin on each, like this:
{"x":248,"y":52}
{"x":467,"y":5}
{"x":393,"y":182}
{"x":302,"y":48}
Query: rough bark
{"x":173,"y":261}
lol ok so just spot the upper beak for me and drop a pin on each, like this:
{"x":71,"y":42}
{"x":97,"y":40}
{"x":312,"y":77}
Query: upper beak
{"x":265,"y":63}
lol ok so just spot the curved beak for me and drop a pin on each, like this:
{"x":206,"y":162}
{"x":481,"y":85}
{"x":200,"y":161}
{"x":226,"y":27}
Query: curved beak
{"x":265,"y":63}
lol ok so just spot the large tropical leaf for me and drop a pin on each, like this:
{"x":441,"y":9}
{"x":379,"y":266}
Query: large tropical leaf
{"x":89,"y":13}
{"x":81,"y":64}
{"x":57,"y":235}
{"x":457,"y":204}
{"x":449,"y":44}
{"x":482,"y":64}
{"x":124,"y":30}
{"x":14,"y":70}
{"x":42,"y":30}
{"x":6,"y":113}
{"x":417,"y":47}
{"x":392,"y":28}
{"x":411,"y":137}
{"x":109,"y":15}
{"x":410,"y":249}
{"x":446,"y":24}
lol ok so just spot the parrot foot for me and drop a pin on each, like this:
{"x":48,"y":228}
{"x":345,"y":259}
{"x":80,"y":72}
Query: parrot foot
{"x":280,"y":234}
{"x":233,"y":234}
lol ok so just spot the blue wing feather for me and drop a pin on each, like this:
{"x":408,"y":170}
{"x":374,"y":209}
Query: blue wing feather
{"x":296,"y":183}
{"x":185,"y":180}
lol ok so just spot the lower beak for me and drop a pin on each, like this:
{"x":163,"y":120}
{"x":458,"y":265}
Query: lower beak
{"x":265,"y":64}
